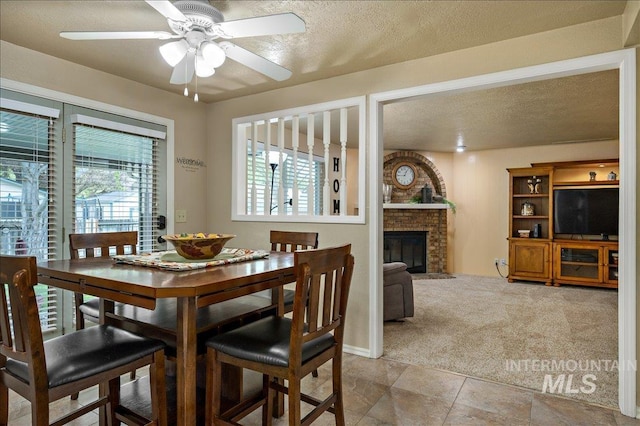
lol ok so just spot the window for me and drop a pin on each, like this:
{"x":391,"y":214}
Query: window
{"x":115,"y":183}
{"x":65,"y":168}
{"x":306,"y":164}
{"x":27,"y":178}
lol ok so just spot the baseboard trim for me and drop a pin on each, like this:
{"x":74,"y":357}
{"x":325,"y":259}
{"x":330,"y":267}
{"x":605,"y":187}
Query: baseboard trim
{"x":355,"y":350}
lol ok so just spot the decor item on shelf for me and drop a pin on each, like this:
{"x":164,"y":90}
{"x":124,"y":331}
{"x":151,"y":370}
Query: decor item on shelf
{"x":387,"y":190}
{"x":427,"y":194}
{"x":592,"y":175}
{"x":451,"y":205}
{"x":440,"y":199}
{"x":523,"y":233}
{"x":614,"y":258}
{"x":612,"y":176}
{"x":534,"y":185}
{"x":528,"y":209}
{"x":537,"y":230}
{"x":416,"y":199}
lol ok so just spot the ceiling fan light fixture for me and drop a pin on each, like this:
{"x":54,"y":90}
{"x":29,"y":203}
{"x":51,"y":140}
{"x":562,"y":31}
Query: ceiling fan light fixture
{"x":203,"y":67}
{"x":174,"y":51}
{"x":213,"y":54}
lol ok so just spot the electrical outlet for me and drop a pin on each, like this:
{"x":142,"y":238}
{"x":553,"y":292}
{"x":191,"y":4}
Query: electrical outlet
{"x":181,"y":216}
{"x":503,"y":262}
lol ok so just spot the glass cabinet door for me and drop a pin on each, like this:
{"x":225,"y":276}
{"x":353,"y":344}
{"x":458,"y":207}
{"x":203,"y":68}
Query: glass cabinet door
{"x":578,"y":263}
{"x":611,"y":265}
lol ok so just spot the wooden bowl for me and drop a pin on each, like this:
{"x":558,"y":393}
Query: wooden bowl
{"x":198,"y":246}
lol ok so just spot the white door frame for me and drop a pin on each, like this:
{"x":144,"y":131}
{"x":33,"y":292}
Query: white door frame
{"x":625,"y":62}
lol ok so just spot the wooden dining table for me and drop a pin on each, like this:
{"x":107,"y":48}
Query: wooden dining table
{"x":145,"y":286}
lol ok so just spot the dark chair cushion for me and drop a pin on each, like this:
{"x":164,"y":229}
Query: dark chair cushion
{"x":267,"y":341}
{"x":87,"y":352}
{"x":91,"y":308}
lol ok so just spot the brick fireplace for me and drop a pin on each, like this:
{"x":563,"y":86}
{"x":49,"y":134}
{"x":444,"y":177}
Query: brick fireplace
{"x":431,"y":221}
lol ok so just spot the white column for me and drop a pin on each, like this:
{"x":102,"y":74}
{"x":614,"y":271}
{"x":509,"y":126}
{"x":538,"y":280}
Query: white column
{"x":295,"y":134}
{"x":281,"y":195}
{"x":343,"y":161}
{"x":254,"y":156}
{"x":268,"y":171}
{"x":326,"y":141}
{"x":310,"y":142}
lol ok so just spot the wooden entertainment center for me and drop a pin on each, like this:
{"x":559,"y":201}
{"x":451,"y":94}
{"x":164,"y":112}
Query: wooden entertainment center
{"x":555,"y":259}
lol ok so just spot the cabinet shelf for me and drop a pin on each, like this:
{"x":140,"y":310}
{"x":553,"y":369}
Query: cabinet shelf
{"x":530,"y":217}
{"x":588,"y":183}
{"x":530,"y":195}
{"x":571,"y":262}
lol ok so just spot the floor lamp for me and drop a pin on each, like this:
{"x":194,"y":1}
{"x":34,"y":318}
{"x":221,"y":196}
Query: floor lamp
{"x":274,"y":166}
{"x":274,"y":159}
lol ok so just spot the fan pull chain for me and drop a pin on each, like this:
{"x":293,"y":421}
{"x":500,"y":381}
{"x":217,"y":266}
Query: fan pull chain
{"x":186,"y":90}
{"x":195,"y":65}
{"x":195,"y":98}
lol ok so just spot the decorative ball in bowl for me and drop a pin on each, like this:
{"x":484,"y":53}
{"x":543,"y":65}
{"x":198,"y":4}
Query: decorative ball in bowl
{"x":200,"y":246}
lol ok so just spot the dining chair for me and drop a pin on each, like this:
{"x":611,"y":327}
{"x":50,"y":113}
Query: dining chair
{"x":290,"y":241}
{"x":45,"y":371}
{"x":85,"y":246}
{"x":282,"y":348}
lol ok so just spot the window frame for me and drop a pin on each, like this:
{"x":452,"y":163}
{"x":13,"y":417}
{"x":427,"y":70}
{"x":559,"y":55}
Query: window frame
{"x":239,"y":164}
{"x":62,"y":251}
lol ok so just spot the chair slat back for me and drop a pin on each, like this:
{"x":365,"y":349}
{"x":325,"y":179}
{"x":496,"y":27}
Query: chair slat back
{"x":88,"y":243}
{"x":18,"y":276}
{"x":291,"y":241}
{"x":322,"y":290}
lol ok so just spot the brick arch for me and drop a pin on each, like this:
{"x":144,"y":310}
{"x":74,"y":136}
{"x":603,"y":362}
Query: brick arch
{"x":423,"y":163}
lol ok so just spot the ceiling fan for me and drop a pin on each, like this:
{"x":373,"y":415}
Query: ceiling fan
{"x":197,"y":26}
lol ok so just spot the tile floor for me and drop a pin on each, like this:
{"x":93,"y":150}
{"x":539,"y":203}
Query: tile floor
{"x":385,"y":392}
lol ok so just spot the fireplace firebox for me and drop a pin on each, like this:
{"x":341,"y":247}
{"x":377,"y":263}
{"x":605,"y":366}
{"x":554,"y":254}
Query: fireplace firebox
{"x":409,"y":247}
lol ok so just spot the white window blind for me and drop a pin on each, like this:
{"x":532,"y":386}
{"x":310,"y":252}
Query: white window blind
{"x":87,"y":171}
{"x":29,"y":174}
{"x":115,"y":183}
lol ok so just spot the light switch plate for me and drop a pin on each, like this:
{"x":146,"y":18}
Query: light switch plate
{"x":181,"y":216}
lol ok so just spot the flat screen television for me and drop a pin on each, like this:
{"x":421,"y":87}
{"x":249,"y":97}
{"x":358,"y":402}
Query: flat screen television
{"x":586,"y":211}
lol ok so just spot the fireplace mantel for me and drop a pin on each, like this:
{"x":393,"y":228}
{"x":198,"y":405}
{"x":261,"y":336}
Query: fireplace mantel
{"x":416,"y":206}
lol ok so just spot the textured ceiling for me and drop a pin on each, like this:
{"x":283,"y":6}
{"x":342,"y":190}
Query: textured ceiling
{"x":341,"y":37}
{"x":582,"y":108}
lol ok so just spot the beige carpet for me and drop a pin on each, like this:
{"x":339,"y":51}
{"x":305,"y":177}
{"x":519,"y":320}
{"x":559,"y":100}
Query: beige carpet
{"x":488,"y":328}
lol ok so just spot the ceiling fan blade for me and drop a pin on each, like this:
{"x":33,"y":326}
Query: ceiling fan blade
{"x":255,"y":62}
{"x":167,"y":9}
{"x":183,"y":72}
{"x":115,"y":35}
{"x":284,"y":23}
